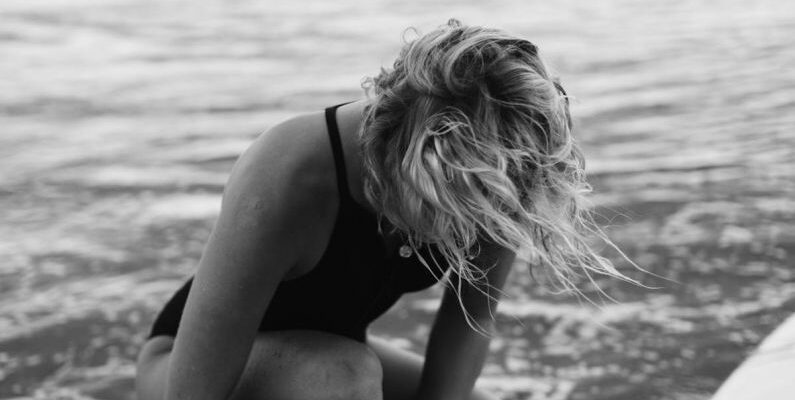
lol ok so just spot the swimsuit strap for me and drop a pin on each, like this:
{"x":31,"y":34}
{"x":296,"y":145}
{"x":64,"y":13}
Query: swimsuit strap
{"x":339,"y":156}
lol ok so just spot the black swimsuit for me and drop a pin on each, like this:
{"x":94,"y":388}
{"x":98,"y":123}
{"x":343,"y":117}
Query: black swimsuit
{"x":355,"y":281}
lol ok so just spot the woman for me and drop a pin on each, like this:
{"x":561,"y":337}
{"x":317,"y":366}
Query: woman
{"x":460,"y":157}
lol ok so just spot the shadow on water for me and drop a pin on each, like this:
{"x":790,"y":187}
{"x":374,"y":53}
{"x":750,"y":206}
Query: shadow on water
{"x":120,"y":121}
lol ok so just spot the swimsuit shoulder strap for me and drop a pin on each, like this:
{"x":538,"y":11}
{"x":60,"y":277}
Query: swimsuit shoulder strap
{"x":339,"y":156}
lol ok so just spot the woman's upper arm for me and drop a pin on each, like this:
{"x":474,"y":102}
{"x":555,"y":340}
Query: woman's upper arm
{"x":480,"y":299}
{"x":256,"y":240}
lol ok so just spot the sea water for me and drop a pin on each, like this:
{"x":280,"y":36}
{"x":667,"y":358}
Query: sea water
{"x":120,"y":120}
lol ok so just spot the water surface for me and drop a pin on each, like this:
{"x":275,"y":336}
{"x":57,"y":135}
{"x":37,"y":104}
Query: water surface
{"x":120,"y":120}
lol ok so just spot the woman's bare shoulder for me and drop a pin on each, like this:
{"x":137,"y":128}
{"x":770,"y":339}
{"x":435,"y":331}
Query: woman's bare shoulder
{"x":292,"y":157}
{"x":287,"y":177}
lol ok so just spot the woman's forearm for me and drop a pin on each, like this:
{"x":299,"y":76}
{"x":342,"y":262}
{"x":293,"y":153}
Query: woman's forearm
{"x":456,"y":352}
{"x":455,"y":355}
{"x":198,"y":377}
{"x":208,"y":357}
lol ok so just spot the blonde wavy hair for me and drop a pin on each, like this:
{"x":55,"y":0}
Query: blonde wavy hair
{"x":468,"y":137}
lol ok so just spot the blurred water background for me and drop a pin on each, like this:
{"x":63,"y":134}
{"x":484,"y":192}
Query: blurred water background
{"x":120,"y":120}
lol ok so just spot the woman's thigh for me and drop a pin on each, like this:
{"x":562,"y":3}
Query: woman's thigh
{"x":402,"y":371}
{"x":282,"y":365}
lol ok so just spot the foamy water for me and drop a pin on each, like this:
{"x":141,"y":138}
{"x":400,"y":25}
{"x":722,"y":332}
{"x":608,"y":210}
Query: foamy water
{"x":120,"y":120}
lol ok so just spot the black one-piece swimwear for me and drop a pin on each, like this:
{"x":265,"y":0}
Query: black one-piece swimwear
{"x":355,"y":281}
